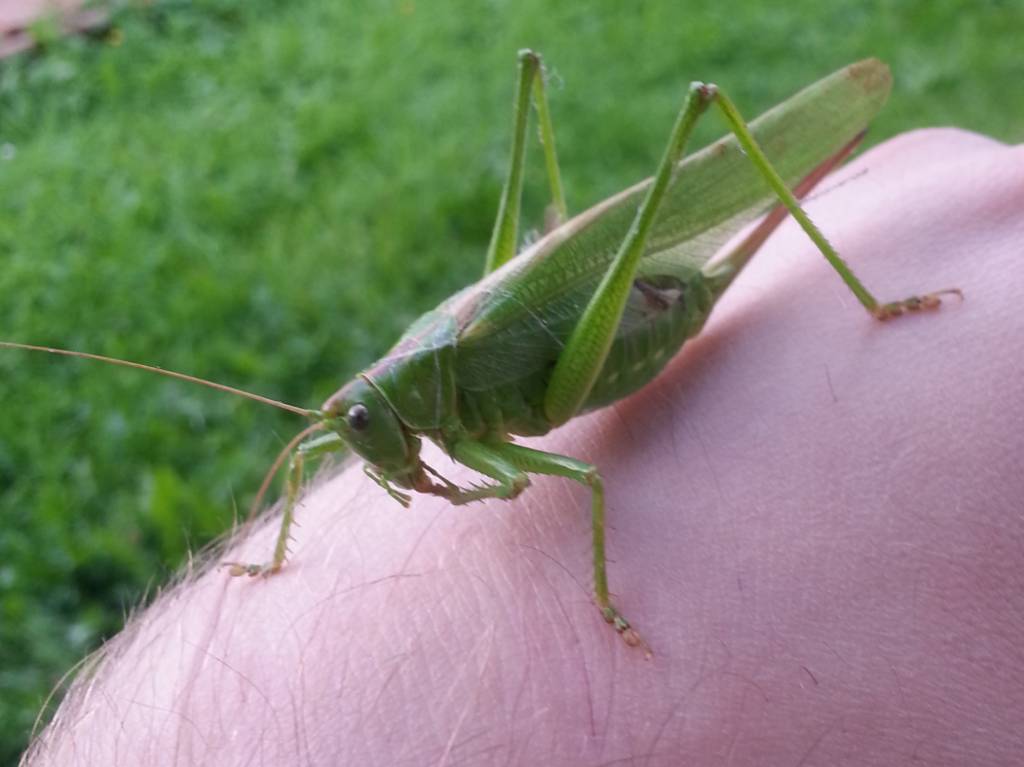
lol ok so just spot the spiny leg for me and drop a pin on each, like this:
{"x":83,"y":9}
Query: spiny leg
{"x":505,"y":234}
{"x":313,"y":448}
{"x":510,"y":480}
{"x":587,"y":349}
{"x":881,"y":311}
{"x":509,"y":463}
{"x":268,"y":478}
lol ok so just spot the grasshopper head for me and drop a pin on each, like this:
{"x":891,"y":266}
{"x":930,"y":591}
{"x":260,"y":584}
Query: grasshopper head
{"x":364,"y":419}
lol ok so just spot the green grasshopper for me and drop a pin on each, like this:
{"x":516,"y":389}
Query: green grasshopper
{"x":586,"y":315}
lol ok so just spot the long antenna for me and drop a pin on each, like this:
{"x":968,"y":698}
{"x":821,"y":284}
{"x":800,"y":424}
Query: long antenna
{"x":161,"y":371}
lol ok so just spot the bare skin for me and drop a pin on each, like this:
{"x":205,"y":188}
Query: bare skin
{"x":817,"y":521}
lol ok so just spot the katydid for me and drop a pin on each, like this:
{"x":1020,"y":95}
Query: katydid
{"x":589,"y":313}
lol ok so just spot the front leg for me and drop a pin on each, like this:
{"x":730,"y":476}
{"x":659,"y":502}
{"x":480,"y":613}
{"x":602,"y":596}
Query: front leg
{"x":327,"y":443}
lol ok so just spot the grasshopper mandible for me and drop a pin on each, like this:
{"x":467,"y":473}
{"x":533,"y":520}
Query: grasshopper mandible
{"x":586,"y":315}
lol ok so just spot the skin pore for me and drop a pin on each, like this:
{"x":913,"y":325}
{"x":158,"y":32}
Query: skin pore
{"x":815,"y":519}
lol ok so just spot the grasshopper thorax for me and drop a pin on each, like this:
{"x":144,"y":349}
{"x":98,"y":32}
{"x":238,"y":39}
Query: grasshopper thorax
{"x":361,"y":416}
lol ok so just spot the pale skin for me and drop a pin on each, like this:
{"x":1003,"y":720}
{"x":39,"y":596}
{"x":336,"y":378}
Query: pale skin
{"x":817,"y":519}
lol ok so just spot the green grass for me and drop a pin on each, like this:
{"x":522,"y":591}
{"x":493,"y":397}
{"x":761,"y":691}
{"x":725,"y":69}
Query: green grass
{"x":266,"y":194}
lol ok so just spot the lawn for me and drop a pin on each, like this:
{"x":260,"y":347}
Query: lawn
{"x":266,"y":194}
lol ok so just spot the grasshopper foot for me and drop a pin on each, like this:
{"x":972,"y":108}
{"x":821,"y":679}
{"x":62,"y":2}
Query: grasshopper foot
{"x":236,"y":569}
{"x":914,"y":304}
{"x":629,"y":634}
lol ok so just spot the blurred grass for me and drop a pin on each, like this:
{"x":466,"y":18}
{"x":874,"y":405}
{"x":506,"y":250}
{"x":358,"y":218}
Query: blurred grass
{"x":266,"y":194}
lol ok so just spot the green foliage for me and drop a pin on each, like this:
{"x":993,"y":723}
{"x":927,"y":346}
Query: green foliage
{"x":266,"y":194}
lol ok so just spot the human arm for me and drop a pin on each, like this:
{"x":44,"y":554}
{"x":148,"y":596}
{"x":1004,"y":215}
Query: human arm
{"x":816,"y":521}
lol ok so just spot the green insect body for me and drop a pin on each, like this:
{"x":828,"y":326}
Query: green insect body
{"x":593,"y":310}
{"x":478,"y":365}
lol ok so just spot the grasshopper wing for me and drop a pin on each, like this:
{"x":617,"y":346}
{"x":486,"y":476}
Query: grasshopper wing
{"x":512,"y":324}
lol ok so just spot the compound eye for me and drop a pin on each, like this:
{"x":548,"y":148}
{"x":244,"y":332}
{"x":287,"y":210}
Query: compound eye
{"x":358,"y":417}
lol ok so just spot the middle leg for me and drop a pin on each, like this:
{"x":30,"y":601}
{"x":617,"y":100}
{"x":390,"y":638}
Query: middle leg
{"x":539,"y":462}
{"x":509,"y":465}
